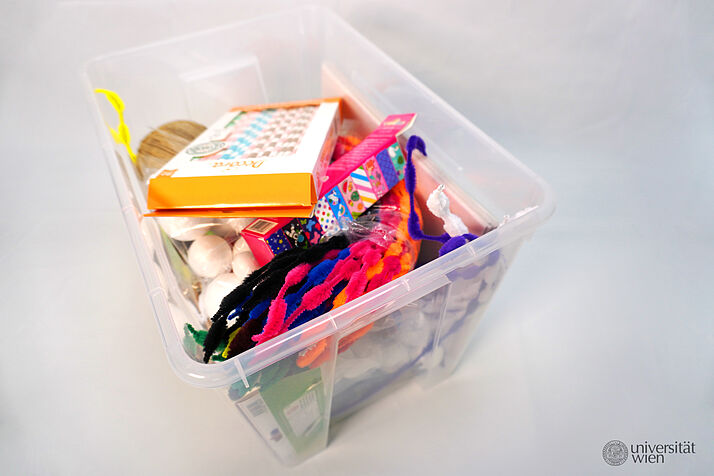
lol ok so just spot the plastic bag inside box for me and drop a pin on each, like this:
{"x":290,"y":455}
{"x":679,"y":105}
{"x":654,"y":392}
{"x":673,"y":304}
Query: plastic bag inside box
{"x":422,"y":321}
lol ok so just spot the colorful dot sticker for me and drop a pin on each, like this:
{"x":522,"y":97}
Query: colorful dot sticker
{"x":325,"y":216}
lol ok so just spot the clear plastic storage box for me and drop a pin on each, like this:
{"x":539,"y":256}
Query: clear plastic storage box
{"x":421,"y":323}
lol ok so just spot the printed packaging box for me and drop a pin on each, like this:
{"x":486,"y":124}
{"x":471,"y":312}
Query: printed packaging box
{"x":253,"y":161}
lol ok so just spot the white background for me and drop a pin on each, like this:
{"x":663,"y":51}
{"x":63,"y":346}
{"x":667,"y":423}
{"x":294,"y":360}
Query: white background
{"x":602,"y":329}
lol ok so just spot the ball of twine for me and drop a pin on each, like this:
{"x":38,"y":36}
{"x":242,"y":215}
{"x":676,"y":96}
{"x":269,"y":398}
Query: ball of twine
{"x":163,"y":143}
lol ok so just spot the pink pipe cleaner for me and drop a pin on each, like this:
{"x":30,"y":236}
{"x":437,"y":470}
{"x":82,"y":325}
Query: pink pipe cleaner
{"x":392,"y":265}
{"x":332,"y":254}
{"x":358,"y":281}
{"x":322,"y":292}
{"x":343,"y":269}
{"x":276,"y":313}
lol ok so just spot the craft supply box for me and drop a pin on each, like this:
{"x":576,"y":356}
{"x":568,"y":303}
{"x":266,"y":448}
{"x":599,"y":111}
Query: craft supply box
{"x":421,"y":322}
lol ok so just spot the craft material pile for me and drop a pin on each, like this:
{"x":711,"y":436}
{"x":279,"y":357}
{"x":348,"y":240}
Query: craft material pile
{"x":316,"y":217}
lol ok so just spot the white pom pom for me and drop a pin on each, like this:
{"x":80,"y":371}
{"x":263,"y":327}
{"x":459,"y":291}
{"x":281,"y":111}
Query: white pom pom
{"x":223,"y":229}
{"x":240,"y":246}
{"x":239,"y":223}
{"x":243,"y":264}
{"x":184,"y":228}
{"x":209,"y":256}
{"x":216,"y":290}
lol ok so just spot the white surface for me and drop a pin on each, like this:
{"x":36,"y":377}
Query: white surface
{"x":601,"y":330}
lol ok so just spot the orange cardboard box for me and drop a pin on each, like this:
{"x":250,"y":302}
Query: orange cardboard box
{"x":253,"y":161}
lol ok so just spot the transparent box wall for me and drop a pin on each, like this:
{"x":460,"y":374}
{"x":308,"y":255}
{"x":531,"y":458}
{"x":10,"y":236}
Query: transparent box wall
{"x":291,"y":388}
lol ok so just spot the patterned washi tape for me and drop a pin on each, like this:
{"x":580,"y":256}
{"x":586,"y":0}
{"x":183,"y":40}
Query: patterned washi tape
{"x":295,"y":234}
{"x":352,"y":197}
{"x":364,"y":187}
{"x":376,"y":177}
{"x":278,"y":242}
{"x":338,"y":205}
{"x":312,"y":229}
{"x":388,"y":172}
{"x":395,"y":153}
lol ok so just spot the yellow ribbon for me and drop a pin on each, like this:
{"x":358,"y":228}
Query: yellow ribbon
{"x":121,"y":134}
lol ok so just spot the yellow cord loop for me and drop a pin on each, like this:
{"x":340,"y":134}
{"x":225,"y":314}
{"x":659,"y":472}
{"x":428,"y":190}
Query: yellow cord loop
{"x":121,"y":134}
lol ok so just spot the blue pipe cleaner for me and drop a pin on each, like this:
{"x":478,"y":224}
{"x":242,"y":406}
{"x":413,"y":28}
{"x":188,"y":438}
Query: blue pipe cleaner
{"x":321,"y":309}
{"x":317,"y":275}
{"x":259,"y":309}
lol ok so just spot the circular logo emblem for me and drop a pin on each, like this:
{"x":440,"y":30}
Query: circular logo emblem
{"x":614,"y":452}
{"x":200,"y":150}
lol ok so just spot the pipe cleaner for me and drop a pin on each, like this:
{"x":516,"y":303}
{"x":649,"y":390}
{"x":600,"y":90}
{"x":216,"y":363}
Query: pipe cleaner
{"x":398,"y":259}
{"x":260,"y":285}
{"x":449,"y":243}
{"x":299,"y":285}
